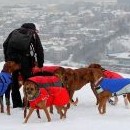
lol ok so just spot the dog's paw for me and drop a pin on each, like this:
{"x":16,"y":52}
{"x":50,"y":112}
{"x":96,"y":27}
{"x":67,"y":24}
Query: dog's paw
{"x":111,"y":102}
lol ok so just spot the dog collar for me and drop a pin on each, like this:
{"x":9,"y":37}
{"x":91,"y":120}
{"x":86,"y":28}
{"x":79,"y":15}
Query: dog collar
{"x":98,"y":81}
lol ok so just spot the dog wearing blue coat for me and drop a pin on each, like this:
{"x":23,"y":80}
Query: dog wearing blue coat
{"x":5,"y":81}
{"x":106,"y":88}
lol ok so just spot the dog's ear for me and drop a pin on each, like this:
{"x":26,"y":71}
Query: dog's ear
{"x":94,"y":66}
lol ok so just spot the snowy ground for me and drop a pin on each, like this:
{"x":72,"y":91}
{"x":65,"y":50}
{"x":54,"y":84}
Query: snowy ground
{"x":84,"y":116}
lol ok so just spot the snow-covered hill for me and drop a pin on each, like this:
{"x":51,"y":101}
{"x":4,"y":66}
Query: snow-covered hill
{"x":84,"y":116}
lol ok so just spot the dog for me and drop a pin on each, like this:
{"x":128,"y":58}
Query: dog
{"x":110,"y":74}
{"x":5,"y":80}
{"x":75,"y":79}
{"x":36,"y":71}
{"x":106,"y":88}
{"x":43,"y":92}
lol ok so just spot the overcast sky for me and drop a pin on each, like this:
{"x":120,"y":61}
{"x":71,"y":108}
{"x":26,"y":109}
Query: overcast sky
{"x":11,"y":2}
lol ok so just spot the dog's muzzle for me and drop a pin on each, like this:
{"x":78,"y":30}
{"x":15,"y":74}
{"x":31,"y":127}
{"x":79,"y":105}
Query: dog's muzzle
{"x":29,"y":92}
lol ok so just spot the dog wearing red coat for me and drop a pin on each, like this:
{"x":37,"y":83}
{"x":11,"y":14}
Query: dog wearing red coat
{"x":45,"y":91}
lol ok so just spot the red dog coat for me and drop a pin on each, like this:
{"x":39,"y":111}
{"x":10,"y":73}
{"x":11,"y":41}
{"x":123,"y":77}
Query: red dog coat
{"x":51,"y":90}
{"x":50,"y":69}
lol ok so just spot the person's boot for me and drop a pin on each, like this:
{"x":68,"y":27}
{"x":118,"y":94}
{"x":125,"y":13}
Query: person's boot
{"x":2,"y":105}
{"x":17,"y":102}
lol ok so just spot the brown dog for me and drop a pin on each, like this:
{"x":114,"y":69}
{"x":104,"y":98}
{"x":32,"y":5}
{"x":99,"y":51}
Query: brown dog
{"x":75,"y":79}
{"x":5,"y":78}
{"x":106,"y":88}
{"x":110,"y":74}
{"x":41,"y":98}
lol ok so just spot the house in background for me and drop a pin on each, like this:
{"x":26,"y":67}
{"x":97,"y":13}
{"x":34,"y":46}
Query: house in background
{"x":119,"y":62}
{"x":120,"y":59}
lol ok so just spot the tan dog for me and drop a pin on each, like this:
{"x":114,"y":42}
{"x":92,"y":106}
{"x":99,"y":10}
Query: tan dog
{"x":5,"y":74}
{"x":43,"y":99}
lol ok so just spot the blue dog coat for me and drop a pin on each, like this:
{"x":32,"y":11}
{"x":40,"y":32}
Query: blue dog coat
{"x":118,"y":86}
{"x":5,"y":80}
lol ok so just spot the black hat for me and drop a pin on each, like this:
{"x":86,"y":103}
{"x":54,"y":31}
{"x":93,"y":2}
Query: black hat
{"x":29,"y":26}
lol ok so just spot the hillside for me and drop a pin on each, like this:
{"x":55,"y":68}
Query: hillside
{"x":81,"y":33}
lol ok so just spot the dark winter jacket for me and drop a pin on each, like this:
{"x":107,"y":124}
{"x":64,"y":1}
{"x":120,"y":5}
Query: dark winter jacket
{"x":11,"y":53}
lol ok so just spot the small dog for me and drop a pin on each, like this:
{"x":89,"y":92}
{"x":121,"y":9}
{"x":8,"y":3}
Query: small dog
{"x":43,"y":92}
{"x":46,"y":71}
{"x":5,"y":80}
{"x":109,"y":87}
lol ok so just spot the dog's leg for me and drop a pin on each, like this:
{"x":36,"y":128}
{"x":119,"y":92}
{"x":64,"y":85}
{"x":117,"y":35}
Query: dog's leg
{"x":115,"y":100}
{"x":47,"y":114}
{"x":1,"y":103}
{"x":42,"y":105}
{"x":102,"y":100}
{"x":25,"y":102}
{"x":38,"y":114}
{"x":95,"y":93}
{"x":59,"y":111}
{"x":100,"y":105}
{"x":128,"y":97}
{"x":7,"y":98}
{"x":103,"y":97}
{"x":51,"y":109}
{"x":71,"y":93}
{"x":8,"y":106}
{"x":104,"y":104}
{"x":29,"y":114}
{"x":65,"y":111}
{"x":125,"y":100}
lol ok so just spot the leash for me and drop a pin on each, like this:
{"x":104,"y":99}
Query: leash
{"x":97,"y":85}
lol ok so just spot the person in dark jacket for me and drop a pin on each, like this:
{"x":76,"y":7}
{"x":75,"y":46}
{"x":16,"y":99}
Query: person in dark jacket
{"x":34,"y":54}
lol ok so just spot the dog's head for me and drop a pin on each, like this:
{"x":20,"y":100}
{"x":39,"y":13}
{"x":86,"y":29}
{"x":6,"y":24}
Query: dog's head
{"x":11,"y":66}
{"x":30,"y":89}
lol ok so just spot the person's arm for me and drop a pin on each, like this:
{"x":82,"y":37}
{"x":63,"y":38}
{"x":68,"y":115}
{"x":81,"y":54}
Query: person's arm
{"x":39,"y":51}
{"x":5,"y":46}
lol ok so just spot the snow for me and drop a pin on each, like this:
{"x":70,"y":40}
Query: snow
{"x":84,"y":116}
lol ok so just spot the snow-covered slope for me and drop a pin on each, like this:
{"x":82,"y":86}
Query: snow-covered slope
{"x":84,"y":116}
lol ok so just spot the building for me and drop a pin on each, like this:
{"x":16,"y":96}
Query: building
{"x":122,"y":59}
{"x":124,"y":2}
